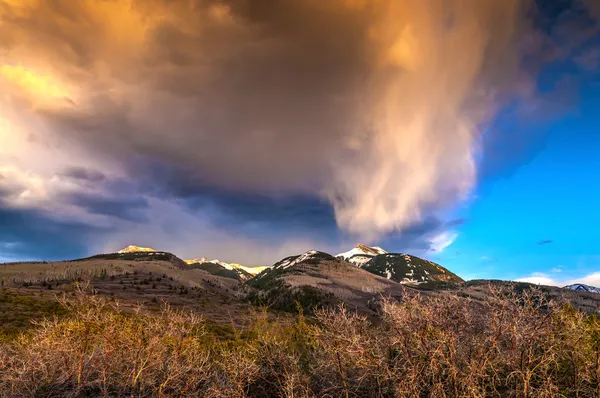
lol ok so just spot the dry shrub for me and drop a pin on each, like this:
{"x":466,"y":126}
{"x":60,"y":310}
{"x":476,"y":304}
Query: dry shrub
{"x":519,"y":345}
{"x":99,"y":350}
{"x":513,"y":344}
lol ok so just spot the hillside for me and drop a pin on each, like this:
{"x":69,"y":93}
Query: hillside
{"x":482,"y":289}
{"x":242,"y":271}
{"x":113,"y":265}
{"x":317,"y":279}
{"x":217,"y":269}
{"x":139,"y":256}
{"x":408,"y":269}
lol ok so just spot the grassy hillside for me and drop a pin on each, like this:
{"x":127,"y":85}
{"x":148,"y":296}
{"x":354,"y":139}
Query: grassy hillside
{"x":237,"y":274}
{"x":139,"y":256}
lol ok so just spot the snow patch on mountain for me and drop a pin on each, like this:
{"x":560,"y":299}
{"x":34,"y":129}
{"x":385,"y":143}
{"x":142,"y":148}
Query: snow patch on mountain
{"x":583,"y":288}
{"x":290,"y":261}
{"x":229,"y":266}
{"x":361,"y":254}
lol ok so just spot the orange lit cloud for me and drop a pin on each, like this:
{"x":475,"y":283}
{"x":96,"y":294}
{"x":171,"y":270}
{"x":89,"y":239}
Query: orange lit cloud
{"x":373,"y":105}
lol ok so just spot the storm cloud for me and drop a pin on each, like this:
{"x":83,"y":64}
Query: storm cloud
{"x":369,"y":110}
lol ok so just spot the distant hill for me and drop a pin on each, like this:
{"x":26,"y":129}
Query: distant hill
{"x":479,"y":290}
{"x":580,"y":287}
{"x":405,"y":268}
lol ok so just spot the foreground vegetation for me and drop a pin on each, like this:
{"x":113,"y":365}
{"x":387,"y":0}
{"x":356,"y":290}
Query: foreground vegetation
{"x":512,"y":344}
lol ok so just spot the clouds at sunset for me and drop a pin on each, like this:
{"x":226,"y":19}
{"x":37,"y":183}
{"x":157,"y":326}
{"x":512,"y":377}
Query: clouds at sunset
{"x":150,"y":116}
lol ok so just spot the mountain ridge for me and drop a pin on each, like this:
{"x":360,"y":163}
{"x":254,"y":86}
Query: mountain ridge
{"x":582,"y":287}
{"x":361,"y":254}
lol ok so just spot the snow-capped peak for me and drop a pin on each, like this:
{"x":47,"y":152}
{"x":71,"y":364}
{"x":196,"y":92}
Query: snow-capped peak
{"x":361,"y":254}
{"x":229,"y":266}
{"x":136,"y":249}
{"x":250,"y":270}
{"x":582,"y":288}
{"x":197,"y":260}
{"x":290,"y":261}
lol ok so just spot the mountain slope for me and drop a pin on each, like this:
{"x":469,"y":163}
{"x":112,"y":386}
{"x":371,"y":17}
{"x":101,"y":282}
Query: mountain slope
{"x":582,"y":288}
{"x":219,"y":270}
{"x":316,"y":279}
{"x":361,"y":254}
{"x":404,"y":268}
{"x":140,"y":256}
{"x":244,"y":272}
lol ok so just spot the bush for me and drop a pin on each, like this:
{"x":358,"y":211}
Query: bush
{"x":514,"y":344}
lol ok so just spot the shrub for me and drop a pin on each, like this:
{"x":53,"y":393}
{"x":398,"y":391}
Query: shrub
{"x":514,"y":344}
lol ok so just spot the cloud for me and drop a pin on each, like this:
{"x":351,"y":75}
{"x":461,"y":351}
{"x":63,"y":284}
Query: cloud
{"x":487,"y":259}
{"x":31,"y":234}
{"x":83,"y":174}
{"x":259,"y":122}
{"x":545,"y":242}
{"x":370,"y":108}
{"x":125,"y":208}
{"x":540,"y":278}
{"x":442,"y":241}
{"x":589,"y":59}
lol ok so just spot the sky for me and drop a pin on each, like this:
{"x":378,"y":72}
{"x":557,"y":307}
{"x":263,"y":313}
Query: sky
{"x":464,"y":131}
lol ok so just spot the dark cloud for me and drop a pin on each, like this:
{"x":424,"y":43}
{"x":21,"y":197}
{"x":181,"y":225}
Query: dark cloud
{"x":291,"y":116}
{"x":27,"y":234}
{"x":9,"y":190}
{"x":545,"y":242}
{"x":84,"y":174}
{"x":285,"y":212}
{"x":416,"y":238}
{"x":299,"y":97}
{"x":456,"y":222}
{"x":125,"y":208}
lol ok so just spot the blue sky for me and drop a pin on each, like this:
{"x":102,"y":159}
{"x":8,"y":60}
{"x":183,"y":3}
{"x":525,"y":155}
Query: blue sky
{"x":541,"y":217}
{"x":248,"y":132}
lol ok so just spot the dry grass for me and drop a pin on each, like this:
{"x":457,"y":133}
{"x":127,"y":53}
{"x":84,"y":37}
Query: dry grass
{"x":88,"y":269}
{"x":511,"y":345}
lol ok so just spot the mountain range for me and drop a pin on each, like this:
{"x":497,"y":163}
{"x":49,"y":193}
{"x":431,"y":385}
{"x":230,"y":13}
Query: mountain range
{"x":357,"y":278}
{"x":402,"y":268}
{"x":397,"y":267}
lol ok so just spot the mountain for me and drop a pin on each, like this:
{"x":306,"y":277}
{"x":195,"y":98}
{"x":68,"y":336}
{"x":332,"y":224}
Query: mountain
{"x":139,"y":256}
{"x":251,"y":270}
{"x":404,"y":268}
{"x":580,"y":287}
{"x":218,"y":268}
{"x":245,"y":272}
{"x":136,"y":249}
{"x":361,"y":254}
{"x":316,"y":279}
